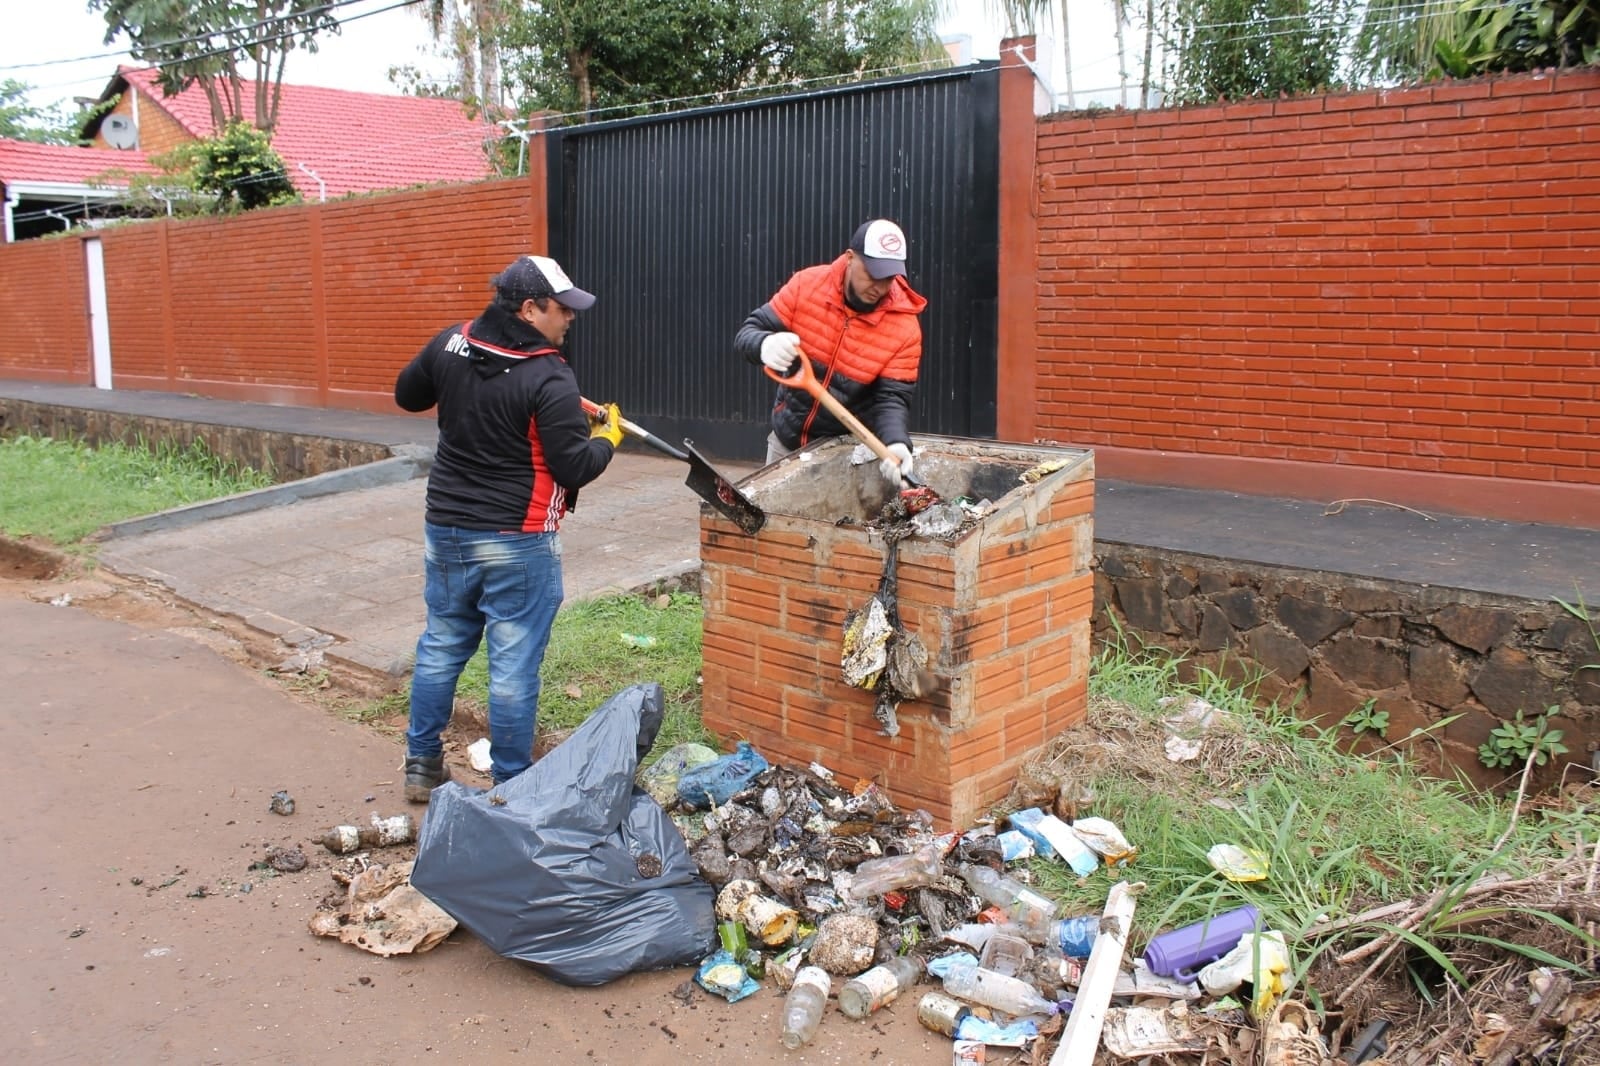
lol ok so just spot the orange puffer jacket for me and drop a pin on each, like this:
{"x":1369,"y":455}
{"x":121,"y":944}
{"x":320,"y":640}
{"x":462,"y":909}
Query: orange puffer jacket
{"x":868,"y":360}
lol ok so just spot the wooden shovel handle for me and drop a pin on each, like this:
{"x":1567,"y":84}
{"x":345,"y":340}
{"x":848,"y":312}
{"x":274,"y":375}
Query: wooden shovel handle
{"x":806,"y":380}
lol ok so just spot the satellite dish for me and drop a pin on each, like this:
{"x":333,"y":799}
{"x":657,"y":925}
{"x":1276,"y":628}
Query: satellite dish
{"x":120,"y":132}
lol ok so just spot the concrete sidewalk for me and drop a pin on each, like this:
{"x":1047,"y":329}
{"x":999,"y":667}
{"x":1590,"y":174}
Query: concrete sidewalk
{"x":348,"y":562}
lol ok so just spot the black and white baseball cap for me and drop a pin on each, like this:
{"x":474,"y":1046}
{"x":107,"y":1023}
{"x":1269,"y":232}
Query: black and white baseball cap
{"x":535,"y":276}
{"x":882,"y":247}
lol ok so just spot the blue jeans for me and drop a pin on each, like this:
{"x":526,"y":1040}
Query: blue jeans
{"x":476,"y":583}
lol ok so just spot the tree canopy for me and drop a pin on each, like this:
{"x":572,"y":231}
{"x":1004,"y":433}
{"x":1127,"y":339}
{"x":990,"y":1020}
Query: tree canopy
{"x":21,"y":121}
{"x":221,"y":45}
{"x":583,"y":56}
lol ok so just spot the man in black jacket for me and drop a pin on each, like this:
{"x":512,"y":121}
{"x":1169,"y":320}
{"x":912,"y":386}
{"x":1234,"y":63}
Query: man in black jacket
{"x":514,"y":448}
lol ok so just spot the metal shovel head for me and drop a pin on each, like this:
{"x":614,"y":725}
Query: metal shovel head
{"x":720,"y":493}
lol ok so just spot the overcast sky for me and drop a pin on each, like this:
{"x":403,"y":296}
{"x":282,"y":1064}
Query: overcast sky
{"x":39,"y":36}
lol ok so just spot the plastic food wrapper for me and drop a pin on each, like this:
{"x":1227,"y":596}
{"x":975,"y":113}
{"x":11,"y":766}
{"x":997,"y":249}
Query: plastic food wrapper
{"x":1106,"y":839}
{"x":1260,"y":960}
{"x":1140,"y":1032}
{"x":1015,"y":845}
{"x":1238,"y":864}
{"x":1026,"y":822}
{"x":661,"y":777}
{"x":723,"y":975}
{"x":570,"y":867}
{"x":1015,"y":1033}
{"x":716,"y":782}
{"x":943,"y":965}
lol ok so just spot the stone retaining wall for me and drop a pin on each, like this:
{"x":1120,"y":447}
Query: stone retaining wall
{"x":1332,"y":642}
{"x":286,"y":456}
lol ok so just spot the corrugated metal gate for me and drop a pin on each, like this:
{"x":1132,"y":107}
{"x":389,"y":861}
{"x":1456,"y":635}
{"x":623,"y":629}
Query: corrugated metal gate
{"x":682,"y":224}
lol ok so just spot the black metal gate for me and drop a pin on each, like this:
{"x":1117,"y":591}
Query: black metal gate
{"x":682,"y":224}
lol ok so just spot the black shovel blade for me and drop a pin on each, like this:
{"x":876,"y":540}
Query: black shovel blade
{"x":720,"y":493}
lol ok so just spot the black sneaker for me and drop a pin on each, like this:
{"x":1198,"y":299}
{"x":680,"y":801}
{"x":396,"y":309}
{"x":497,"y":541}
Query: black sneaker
{"x":424,"y":773}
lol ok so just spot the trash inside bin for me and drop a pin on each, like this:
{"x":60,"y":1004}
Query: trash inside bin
{"x":550,"y":867}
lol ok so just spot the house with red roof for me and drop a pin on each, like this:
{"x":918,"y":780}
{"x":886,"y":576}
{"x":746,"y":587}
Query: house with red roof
{"x":335,"y":143}
{"x":52,"y":187}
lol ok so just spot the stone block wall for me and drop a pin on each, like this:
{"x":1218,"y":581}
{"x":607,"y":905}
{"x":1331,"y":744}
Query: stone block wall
{"x":1331,"y":642}
{"x":286,"y":456}
{"x":1003,"y":611}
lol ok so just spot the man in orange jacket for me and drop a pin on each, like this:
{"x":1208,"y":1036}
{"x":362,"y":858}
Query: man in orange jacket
{"x":856,"y":320}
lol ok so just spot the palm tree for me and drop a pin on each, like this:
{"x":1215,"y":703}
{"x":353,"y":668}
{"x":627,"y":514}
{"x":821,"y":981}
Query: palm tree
{"x":1021,"y":16}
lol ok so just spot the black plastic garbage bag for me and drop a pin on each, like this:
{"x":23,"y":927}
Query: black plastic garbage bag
{"x":559,"y":875}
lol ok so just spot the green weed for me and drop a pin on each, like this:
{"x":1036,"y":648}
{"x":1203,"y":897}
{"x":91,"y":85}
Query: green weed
{"x":64,"y":490}
{"x":589,"y":659}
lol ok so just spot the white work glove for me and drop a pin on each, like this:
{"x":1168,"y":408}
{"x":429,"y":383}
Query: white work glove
{"x":898,"y":468}
{"x":779,"y":351}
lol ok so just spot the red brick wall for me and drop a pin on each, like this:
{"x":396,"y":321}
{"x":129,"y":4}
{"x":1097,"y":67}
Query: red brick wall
{"x":44,"y":312}
{"x":1004,"y":613}
{"x":1404,"y":285}
{"x":314,"y":304}
{"x":136,"y":304}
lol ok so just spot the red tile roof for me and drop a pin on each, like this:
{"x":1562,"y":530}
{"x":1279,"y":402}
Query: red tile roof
{"x":66,"y":164}
{"x":355,"y":142}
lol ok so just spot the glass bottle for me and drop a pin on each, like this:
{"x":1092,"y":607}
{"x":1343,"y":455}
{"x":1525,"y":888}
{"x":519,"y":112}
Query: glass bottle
{"x":879,"y":986}
{"x":802,"y":1008}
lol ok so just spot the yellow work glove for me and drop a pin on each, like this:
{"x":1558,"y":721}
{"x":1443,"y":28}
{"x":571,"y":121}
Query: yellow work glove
{"x":607,"y":424}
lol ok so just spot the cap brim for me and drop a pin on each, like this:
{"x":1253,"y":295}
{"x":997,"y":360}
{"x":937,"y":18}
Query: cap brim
{"x":880,"y":269}
{"x":575,"y":298}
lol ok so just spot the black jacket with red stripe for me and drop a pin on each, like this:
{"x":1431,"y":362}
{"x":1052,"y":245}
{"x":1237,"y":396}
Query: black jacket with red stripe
{"x":514,"y":444}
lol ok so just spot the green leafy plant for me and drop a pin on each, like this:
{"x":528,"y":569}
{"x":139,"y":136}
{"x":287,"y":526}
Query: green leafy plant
{"x":1580,"y":611}
{"x":237,"y":167}
{"x":1514,"y":742}
{"x":1368,"y":719}
{"x":1480,"y":36}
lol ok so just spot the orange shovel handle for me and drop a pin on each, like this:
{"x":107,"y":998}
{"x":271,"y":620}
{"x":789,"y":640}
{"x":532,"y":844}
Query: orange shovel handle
{"x":806,"y":380}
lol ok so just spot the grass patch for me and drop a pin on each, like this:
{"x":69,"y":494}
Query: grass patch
{"x":1344,"y":832}
{"x":62,"y":490}
{"x":589,"y":659}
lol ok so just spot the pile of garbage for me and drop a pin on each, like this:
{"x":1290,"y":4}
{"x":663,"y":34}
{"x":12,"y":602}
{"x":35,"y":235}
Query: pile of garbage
{"x":818,"y":882}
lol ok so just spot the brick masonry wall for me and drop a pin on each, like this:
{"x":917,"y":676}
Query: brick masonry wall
{"x":1004,"y":614}
{"x":310,"y":304}
{"x":1406,"y":281}
{"x":1328,"y":643}
{"x":44,"y":311}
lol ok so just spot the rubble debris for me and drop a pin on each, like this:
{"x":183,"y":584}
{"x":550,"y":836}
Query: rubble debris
{"x":286,"y":860}
{"x":281,"y":803}
{"x":380,"y":912}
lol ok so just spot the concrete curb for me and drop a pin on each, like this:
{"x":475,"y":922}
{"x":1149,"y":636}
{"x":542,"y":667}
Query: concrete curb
{"x":406,"y":461}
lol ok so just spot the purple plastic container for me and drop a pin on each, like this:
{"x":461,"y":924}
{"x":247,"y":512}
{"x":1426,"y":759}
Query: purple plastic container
{"x":1181,"y":953}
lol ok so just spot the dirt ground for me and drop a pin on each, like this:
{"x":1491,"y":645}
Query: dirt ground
{"x":144,"y":744}
{"x":146,"y":740}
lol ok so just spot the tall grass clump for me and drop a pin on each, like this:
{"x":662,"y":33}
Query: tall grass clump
{"x":63,"y":490}
{"x":1343,"y":832}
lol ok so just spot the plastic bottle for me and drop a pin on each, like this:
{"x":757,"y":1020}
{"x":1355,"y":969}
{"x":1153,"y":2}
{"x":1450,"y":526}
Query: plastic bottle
{"x":802,"y":1008}
{"x":1025,"y":907}
{"x":923,"y":866}
{"x":996,"y":991}
{"x":343,"y":839}
{"x":1183,"y":952}
{"x":879,"y":986}
{"x":637,"y":640}
{"x":1074,"y":937}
